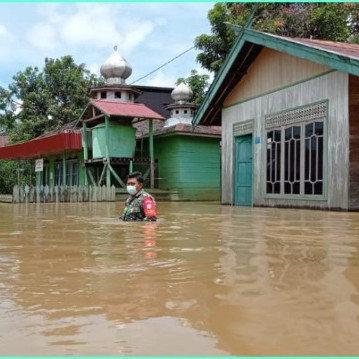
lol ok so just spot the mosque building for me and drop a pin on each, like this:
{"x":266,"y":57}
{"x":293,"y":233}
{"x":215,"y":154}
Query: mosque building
{"x":125,"y":128}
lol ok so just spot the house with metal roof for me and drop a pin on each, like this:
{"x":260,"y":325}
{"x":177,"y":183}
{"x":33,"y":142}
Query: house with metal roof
{"x":288,"y":108}
{"x":188,"y":157}
{"x":115,"y":135}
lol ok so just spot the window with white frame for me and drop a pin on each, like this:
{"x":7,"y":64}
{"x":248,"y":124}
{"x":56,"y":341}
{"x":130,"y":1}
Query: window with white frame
{"x":295,"y":151}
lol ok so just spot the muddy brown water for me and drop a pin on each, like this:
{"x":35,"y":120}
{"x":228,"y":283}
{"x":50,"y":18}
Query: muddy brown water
{"x":204,"y":280}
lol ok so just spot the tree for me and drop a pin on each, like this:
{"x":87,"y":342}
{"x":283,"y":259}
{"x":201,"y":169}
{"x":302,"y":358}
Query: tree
{"x":326,"y":21}
{"x":15,"y":172}
{"x":60,"y":90}
{"x":198,"y":84}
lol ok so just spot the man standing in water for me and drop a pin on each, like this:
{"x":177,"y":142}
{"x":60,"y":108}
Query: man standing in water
{"x":140,"y":206}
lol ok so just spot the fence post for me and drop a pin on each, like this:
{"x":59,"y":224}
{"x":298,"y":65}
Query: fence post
{"x":15,"y":194}
{"x":56,"y":189}
{"x":113,"y":193}
{"x":32,"y":194}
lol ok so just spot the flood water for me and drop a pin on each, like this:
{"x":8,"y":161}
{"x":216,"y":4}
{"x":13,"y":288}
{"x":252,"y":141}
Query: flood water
{"x":204,"y":280}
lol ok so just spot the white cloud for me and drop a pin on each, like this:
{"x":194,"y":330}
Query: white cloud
{"x":93,"y":26}
{"x":43,"y":36}
{"x":101,"y":26}
{"x":147,"y":35}
{"x":5,"y":33}
{"x":159,"y":78}
{"x":135,"y":35}
{"x":94,"y":68}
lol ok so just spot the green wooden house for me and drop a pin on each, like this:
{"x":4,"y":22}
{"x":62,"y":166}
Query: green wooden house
{"x":188,"y":156}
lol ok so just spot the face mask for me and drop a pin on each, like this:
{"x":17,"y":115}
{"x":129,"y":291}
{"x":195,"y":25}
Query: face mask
{"x":131,"y":190}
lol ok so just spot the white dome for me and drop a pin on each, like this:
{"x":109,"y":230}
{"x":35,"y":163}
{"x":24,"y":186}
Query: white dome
{"x":116,"y":69}
{"x":182,"y":93}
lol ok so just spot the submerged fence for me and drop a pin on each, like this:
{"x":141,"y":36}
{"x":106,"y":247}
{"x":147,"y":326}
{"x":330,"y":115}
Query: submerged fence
{"x":46,"y":194}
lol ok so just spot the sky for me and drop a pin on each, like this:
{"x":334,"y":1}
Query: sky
{"x":147,"y":34}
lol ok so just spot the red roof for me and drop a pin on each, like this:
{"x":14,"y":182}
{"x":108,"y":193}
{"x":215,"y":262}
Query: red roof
{"x":126,"y":109}
{"x":340,"y":48}
{"x":41,"y":146}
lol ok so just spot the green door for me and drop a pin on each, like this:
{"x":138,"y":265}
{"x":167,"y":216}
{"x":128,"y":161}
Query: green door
{"x":243,"y":171}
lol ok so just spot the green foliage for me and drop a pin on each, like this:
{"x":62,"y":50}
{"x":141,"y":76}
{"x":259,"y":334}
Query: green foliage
{"x":329,"y":22}
{"x":60,"y":90}
{"x":198,"y":84}
{"x":15,"y":172}
{"x":325,"y":21}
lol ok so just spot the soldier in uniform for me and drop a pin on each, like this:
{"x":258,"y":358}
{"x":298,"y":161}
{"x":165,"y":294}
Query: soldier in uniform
{"x":140,"y":206}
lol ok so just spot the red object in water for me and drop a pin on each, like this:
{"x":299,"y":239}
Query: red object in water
{"x":149,"y":207}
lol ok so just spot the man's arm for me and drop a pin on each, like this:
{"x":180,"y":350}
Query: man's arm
{"x":149,"y":209}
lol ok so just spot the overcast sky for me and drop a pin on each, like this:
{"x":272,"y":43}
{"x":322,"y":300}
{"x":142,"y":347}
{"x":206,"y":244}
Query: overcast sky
{"x":147,"y":35}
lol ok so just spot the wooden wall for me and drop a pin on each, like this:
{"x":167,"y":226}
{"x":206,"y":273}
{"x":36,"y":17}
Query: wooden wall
{"x":273,"y":70}
{"x":331,"y":86}
{"x":353,"y":142}
{"x":189,"y":164}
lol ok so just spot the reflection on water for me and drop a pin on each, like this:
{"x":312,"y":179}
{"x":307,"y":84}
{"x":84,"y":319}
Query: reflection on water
{"x":203,"y":280}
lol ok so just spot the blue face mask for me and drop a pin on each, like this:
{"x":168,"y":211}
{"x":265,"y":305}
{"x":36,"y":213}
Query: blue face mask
{"x":131,"y":190}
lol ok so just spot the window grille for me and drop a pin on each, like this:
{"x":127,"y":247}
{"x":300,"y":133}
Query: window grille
{"x":302,"y":114}
{"x":295,"y":151}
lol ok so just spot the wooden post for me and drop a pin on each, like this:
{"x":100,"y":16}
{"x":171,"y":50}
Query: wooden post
{"x":85,"y":148}
{"x":52,"y":171}
{"x":105,"y":167}
{"x":107,"y":134}
{"x":38,"y":178}
{"x":91,"y":177}
{"x":64,"y":169}
{"x":152,"y":167}
{"x":116,"y":176}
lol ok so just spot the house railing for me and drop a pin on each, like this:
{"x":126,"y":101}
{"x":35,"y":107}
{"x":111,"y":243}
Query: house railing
{"x":47,"y":194}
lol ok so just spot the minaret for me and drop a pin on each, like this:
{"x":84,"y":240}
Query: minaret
{"x":115,"y":70}
{"x":181,"y":110}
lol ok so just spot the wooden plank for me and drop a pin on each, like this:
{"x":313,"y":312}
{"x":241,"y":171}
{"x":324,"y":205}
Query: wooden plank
{"x":273,"y":70}
{"x":353,"y":142}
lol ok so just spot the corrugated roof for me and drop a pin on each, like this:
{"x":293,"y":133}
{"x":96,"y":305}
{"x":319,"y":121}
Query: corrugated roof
{"x":208,"y":131}
{"x":336,"y":55}
{"x":339,"y":48}
{"x":180,"y":128}
{"x":70,"y":140}
{"x":125,"y":109}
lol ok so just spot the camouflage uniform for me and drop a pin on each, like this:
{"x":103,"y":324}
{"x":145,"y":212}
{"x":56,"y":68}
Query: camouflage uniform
{"x":141,"y":207}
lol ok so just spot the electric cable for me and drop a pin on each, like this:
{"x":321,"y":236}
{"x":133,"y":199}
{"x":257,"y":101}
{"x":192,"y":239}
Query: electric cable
{"x":166,"y":63}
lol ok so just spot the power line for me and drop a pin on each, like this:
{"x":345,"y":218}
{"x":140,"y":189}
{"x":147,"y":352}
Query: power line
{"x":160,"y":67}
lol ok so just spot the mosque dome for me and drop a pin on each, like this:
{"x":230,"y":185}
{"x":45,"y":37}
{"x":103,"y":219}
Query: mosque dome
{"x":182,"y":93}
{"x":116,"y":69}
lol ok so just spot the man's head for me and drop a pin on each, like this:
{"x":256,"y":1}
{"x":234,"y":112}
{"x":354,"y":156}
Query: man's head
{"x":134,"y":182}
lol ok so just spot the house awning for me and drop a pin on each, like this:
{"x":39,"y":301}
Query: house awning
{"x":38,"y":147}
